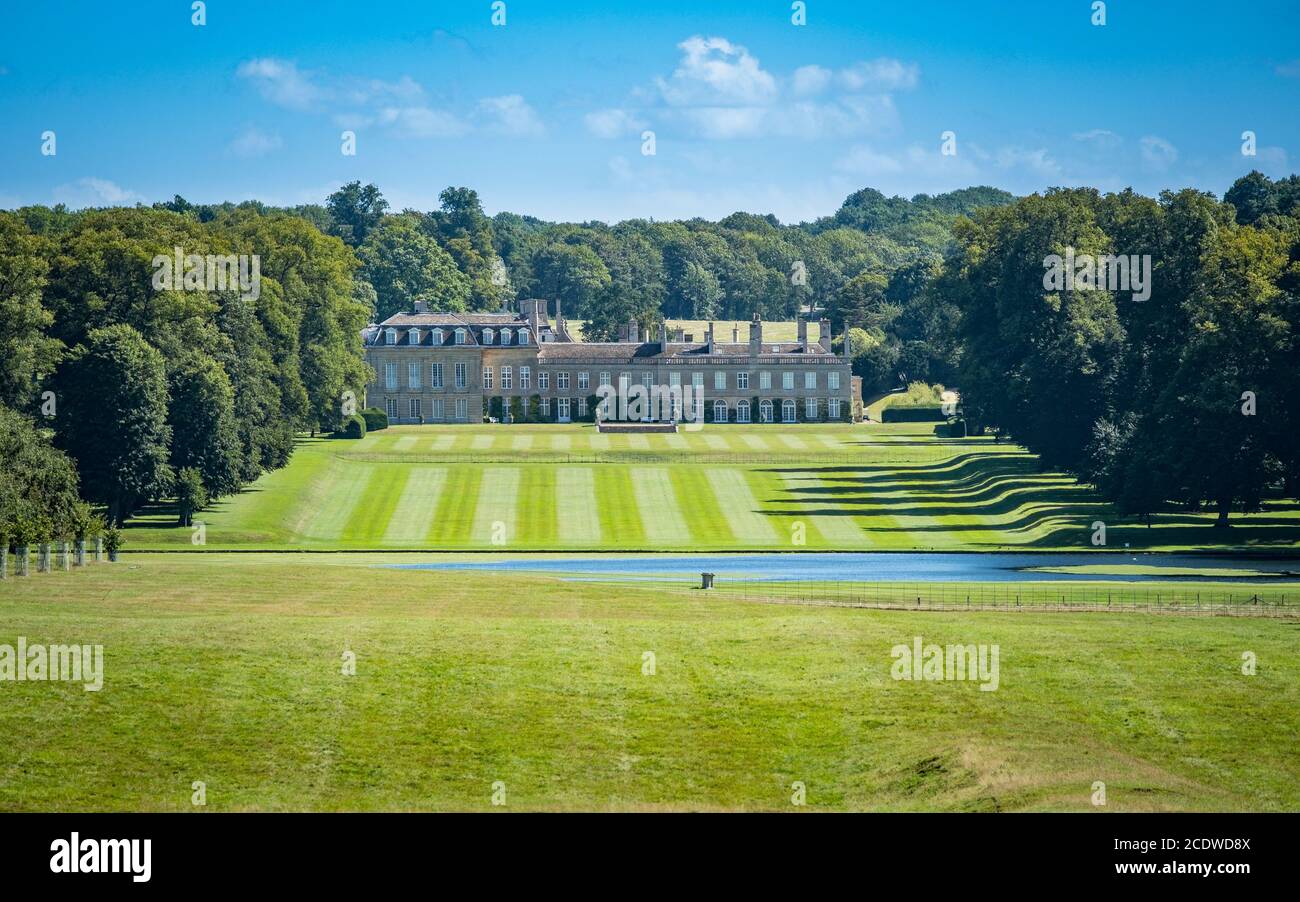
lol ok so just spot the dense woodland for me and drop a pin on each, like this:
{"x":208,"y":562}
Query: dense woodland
{"x":114,"y":393}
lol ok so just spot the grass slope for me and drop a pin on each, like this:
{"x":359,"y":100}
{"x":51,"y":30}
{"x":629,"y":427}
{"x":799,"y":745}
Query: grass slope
{"x":762,"y":487}
{"x":227,"y":669}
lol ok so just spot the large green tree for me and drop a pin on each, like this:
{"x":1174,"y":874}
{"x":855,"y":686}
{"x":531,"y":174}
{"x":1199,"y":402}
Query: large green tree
{"x":112,"y":418}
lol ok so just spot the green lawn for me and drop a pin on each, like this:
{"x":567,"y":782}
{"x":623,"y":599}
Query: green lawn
{"x":760,"y":487}
{"x":227,"y":669}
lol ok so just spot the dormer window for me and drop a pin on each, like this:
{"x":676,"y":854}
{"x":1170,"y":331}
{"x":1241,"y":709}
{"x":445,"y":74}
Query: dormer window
{"x":505,"y":336}
{"x":413,"y":337}
{"x":523,"y":336}
{"x":437,"y":336}
{"x":392,"y":336}
{"x":460,"y":336}
{"x":487,"y":336}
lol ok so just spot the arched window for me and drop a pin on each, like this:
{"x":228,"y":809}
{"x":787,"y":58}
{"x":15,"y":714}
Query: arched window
{"x":765,"y":412}
{"x":487,"y":336}
{"x":719,"y":411}
{"x":392,"y":336}
{"x":437,"y":336}
{"x":787,"y":410}
{"x":505,"y":336}
{"x":460,"y":336}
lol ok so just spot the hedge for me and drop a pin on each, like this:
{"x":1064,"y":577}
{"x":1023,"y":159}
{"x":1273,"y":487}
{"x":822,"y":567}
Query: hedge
{"x":375,"y":419}
{"x":913,"y":413}
{"x":353,"y":427}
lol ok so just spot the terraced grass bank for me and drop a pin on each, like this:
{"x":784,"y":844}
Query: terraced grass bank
{"x":226,"y":668}
{"x":723,"y":488}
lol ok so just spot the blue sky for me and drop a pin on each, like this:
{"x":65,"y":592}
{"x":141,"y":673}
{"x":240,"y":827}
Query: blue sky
{"x":544,"y":115}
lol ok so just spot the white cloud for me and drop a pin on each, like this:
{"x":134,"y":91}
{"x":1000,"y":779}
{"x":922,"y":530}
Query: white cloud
{"x":1157,"y":153}
{"x":1289,"y":70}
{"x":1100,"y":138}
{"x":810,"y":80}
{"x":612,"y":123}
{"x":1036,"y":160}
{"x":720,"y":90}
{"x":280,"y":82}
{"x":94,"y":192}
{"x":253,"y":142}
{"x":718,"y":72}
{"x":883,"y":74}
{"x":862,"y":160}
{"x":422,"y":122}
{"x":510,"y":115}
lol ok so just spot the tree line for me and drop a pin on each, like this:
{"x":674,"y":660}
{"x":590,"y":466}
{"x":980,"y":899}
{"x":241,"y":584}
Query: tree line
{"x":1188,"y":396}
{"x":118,"y":392}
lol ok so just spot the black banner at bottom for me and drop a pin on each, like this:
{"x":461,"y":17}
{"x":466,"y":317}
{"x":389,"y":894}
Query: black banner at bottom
{"x":332,"y":851}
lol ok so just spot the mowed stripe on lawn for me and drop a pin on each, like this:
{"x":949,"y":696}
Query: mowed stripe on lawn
{"x":456,"y":512}
{"x":372,"y":514}
{"x":535,"y":508}
{"x":575,"y":502}
{"x":415,"y":510}
{"x":498,"y":497}
{"x":620,"y":518}
{"x":347,"y":487}
{"x":836,"y":529}
{"x":695,"y":496}
{"x":661,"y":518}
{"x":736,"y":500}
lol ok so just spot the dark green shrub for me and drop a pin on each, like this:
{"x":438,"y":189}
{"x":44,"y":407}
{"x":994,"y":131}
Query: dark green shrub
{"x":353,"y":427}
{"x":375,"y":419}
{"x":909,"y":413}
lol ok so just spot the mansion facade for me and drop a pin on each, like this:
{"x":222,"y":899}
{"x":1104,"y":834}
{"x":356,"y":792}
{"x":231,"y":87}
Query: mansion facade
{"x":525,"y":367}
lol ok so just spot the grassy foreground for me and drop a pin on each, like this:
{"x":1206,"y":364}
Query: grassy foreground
{"x":227,"y":669}
{"x":726,"y":488}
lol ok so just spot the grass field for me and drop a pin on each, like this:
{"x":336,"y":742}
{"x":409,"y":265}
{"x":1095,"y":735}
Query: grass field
{"x":226,"y":669}
{"x":761,"y":487}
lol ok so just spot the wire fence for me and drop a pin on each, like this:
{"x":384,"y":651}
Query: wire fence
{"x":1059,"y":597}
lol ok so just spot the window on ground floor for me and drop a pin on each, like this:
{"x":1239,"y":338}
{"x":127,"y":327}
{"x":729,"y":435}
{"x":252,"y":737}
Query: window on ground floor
{"x":462,"y":410}
{"x":765,"y":412}
{"x":742,"y":411}
{"x":390,"y":408}
{"x":810,"y":408}
{"x":415,"y":408}
{"x":787,"y":410}
{"x":719,"y":411}
{"x":833,"y":408}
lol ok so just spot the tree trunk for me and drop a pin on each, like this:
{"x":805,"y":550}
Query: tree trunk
{"x":1222,"y":521}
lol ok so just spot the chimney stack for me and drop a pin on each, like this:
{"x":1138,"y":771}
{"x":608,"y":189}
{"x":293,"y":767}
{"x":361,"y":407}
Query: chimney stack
{"x":708,"y":338}
{"x":735,"y":334}
{"x":421,"y":307}
{"x":756,"y":336}
{"x":803,"y":332}
{"x":825,"y":338}
{"x":663,"y":336}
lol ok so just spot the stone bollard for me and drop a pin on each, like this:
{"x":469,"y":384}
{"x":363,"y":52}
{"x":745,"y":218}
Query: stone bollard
{"x":65,"y":562}
{"x":43,"y":557}
{"x":20,"y":563}
{"x":706,"y":580}
{"x":79,"y":556}
{"x":99,"y":548}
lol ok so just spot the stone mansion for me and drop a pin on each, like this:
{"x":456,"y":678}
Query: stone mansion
{"x":524,"y":367}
